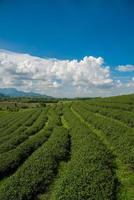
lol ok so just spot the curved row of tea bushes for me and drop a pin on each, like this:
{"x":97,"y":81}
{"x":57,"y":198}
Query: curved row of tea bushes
{"x":120,"y":106}
{"x":54,"y":118}
{"x":19,"y":137}
{"x":12,"y":159}
{"x":7,"y":119}
{"x":120,"y":136}
{"x":90,"y":172}
{"x":5,"y":138}
{"x":3,"y":113}
{"x":10,"y":118}
{"x":123,"y":116}
{"x":14,"y":125}
{"x":38,"y":170}
{"x":21,"y":125}
{"x":125,"y":99}
{"x":33,"y":117}
{"x":19,"y":121}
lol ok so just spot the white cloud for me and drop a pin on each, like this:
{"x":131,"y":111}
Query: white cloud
{"x":87,"y":77}
{"x":125,"y":68}
{"x":28,"y":72}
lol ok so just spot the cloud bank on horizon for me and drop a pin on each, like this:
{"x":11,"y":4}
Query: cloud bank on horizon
{"x":62,"y":78}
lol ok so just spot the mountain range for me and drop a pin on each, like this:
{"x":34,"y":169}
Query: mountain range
{"x":12,"y":92}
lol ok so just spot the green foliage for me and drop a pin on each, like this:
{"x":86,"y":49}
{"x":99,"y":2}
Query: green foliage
{"x":121,"y":115}
{"x":21,"y":136}
{"x":38,"y":171}
{"x":12,"y":159}
{"x":120,"y":136}
{"x":109,"y":104}
{"x":60,"y":149}
{"x":90,"y":172}
{"x":24,"y":119}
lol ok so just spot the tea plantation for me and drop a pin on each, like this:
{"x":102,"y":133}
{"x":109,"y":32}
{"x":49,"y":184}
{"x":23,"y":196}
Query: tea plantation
{"x":68,"y":150}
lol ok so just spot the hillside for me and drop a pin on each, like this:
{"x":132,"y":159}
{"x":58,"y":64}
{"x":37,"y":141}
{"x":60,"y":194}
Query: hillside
{"x":12,"y":92}
{"x":69,"y":150}
{"x":2,"y":95}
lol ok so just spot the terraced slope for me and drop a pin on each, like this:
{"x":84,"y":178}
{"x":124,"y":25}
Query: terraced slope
{"x":78,"y":150}
{"x":90,"y":171}
{"x":119,"y":139}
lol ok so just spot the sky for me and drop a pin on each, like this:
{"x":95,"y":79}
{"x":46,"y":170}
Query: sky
{"x":67,"y":48}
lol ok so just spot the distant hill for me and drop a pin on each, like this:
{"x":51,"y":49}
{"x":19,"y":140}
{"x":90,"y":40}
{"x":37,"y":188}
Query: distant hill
{"x":12,"y":92}
{"x":2,"y":95}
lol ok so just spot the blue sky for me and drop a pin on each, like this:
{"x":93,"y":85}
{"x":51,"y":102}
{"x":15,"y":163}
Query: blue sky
{"x":71,"y":29}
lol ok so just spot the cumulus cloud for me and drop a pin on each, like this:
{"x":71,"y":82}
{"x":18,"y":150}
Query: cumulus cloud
{"x":86,"y":77}
{"x":125,"y":68}
{"x":28,"y":73}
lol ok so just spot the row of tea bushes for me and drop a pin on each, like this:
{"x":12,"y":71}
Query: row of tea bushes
{"x":90,"y":172}
{"x":38,"y":170}
{"x":119,"y":136}
{"x":12,"y":159}
{"x":19,"y":136}
{"x":123,"y":116}
{"x":15,"y":122}
{"x":120,"y":106}
{"x":21,"y":124}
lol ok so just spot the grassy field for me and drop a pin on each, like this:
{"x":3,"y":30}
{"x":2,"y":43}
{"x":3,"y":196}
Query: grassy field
{"x":67,"y":150}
